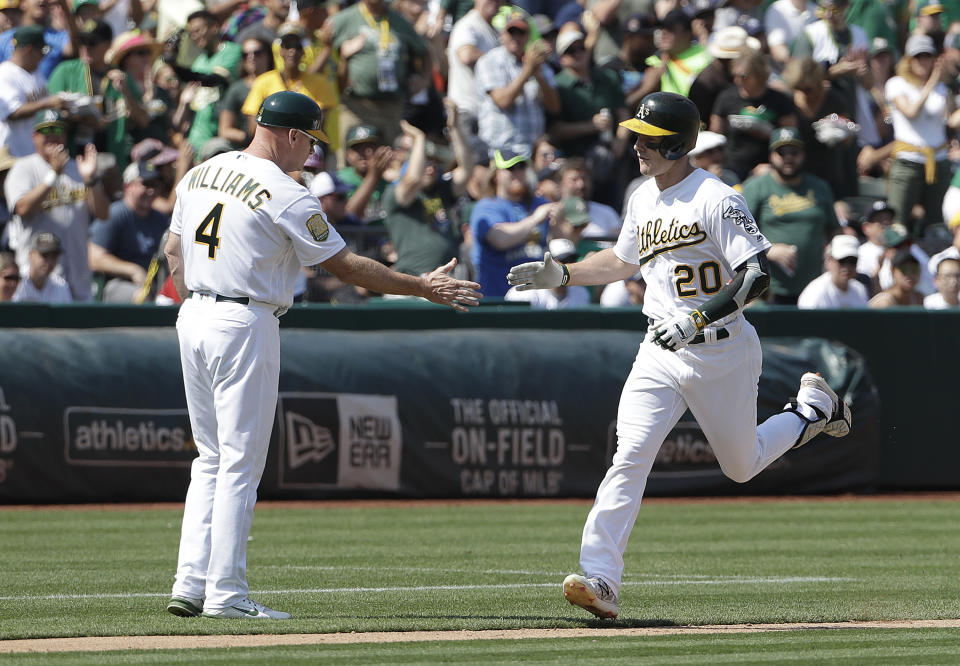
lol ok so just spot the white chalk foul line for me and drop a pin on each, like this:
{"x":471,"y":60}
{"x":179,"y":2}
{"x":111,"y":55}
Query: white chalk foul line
{"x":443,"y":588}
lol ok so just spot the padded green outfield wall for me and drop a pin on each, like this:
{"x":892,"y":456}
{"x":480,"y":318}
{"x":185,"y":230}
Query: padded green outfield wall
{"x":909,"y":357}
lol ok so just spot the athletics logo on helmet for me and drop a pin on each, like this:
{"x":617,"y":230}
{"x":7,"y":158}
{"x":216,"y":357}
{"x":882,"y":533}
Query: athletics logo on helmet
{"x":671,"y":116}
{"x":290,"y":109}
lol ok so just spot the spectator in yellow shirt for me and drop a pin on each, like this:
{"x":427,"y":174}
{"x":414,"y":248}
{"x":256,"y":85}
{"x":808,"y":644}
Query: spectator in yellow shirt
{"x":317,"y":87}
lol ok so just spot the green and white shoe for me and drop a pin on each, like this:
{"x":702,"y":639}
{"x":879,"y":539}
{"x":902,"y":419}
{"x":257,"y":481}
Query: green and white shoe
{"x":247,"y":609}
{"x":185,"y":606}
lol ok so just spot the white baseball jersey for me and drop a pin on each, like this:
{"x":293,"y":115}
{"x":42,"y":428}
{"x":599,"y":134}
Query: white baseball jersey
{"x":688,"y":239}
{"x":246,"y":227}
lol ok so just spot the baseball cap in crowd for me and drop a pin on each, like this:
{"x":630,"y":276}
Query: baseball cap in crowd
{"x":902,"y":257}
{"x":674,"y":18}
{"x":895,"y":234}
{"x":562,"y":249}
{"x":153,"y":151}
{"x":77,"y":4}
{"x":507,"y":159}
{"x":315,"y":160}
{"x":140,"y":171}
{"x":213,"y":147}
{"x":698,"y":8}
{"x":514,"y":17}
{"x":876,"y":208}
{"x":707,"y":140}
{"x":363,"y":134}
{"x":751,"y":24}
{"x":568,"y":38}
{"x":543,"y":24}
{"x":291,"y":34}
{"x":929,"y":7}
{"x":48,"y":118}
{"x":727,"y":43}
{"x":46,"y":243}
{"x":785,"y":136}
{"x":575,"y":211}
{"x":325,"y":183}
{"x":844,"y":246}
{"x":95,"y":32}
{"x":640,"y":24}
{"x":29,"y":35}
{"x":9,"y":4}
{"x":880,"y":45}
{"x":918,"y":44}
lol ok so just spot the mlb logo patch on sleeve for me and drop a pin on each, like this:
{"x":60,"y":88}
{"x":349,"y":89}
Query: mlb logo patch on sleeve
{"x":318,"y":227}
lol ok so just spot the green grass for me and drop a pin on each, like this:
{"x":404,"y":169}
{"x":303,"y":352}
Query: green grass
{"x":486,"y":566}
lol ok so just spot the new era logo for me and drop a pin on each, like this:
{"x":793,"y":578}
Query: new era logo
{"x":306,"y":441}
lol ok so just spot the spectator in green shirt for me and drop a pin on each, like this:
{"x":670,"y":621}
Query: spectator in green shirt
{"x":383,"y":61}
{"x":794,"y":210}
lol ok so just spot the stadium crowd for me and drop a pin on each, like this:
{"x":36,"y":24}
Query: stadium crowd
{"x":486,"y":131}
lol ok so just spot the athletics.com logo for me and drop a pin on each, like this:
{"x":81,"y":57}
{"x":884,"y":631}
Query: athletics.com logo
{"x":128,"y":437}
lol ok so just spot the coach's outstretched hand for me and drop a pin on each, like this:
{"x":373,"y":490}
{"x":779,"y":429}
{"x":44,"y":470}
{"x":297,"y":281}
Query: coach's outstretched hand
{"x":444,"y":289}
{"x":545,"y":274}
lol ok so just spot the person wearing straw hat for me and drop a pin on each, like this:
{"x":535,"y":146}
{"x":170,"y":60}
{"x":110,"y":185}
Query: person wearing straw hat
{"x":130,"y":58}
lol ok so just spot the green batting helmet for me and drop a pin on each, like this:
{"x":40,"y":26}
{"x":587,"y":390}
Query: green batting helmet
{"x":291,"y":109}
{"x":672,"y":116}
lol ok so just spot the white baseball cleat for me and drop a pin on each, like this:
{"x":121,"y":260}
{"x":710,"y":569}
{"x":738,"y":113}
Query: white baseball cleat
{"x":247,"y":609}
{"x":592,"y":594}
{"x":833,"y":415}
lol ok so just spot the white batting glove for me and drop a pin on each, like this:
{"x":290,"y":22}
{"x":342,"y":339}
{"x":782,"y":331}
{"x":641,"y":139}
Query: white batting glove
{"x":675,"y":333}
{"x":545,"y":274}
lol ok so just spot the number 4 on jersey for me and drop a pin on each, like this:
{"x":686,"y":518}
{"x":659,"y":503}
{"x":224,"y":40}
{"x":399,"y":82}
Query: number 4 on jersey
{"x":208,"y":233}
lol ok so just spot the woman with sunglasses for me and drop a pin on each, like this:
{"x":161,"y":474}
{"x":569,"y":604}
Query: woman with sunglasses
{"x":256,"y":60}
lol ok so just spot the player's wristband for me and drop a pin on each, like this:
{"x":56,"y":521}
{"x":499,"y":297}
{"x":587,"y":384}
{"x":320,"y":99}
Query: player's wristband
{"x":50,"y":178}
{"x":698,"y":319}
{"x":566,"y":275}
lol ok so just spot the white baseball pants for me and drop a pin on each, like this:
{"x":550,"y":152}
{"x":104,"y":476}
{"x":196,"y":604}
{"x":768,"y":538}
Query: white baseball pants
{"x":231,"y":370}
{"x":718,"y":382}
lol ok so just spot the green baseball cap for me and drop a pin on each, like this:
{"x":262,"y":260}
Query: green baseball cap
{"x":48,"y":118}
{"x":575,"y":211}
{"x":29,"y":35}
{"x":785,"y":136}
{"x":363,"y":134}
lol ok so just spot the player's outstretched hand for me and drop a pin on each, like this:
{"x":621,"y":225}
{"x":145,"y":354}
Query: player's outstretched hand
{"x":675,"y":333}
{"x":445,"y":289}
{"x":545,"y":274}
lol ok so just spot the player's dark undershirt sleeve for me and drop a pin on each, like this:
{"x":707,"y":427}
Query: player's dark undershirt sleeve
{"x":749,"y":282}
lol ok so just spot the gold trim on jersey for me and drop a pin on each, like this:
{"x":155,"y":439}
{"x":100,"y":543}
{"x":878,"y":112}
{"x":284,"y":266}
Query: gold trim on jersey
{"x":655,"y":237}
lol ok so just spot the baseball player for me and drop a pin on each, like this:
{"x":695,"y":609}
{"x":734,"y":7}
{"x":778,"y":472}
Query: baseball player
{"x":241,"y":229}
{"x":702,"y":258}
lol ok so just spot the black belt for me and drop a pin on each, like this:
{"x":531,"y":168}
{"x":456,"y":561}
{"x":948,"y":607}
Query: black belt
{"x":242,"y":300}
{"x":722,"y":334}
